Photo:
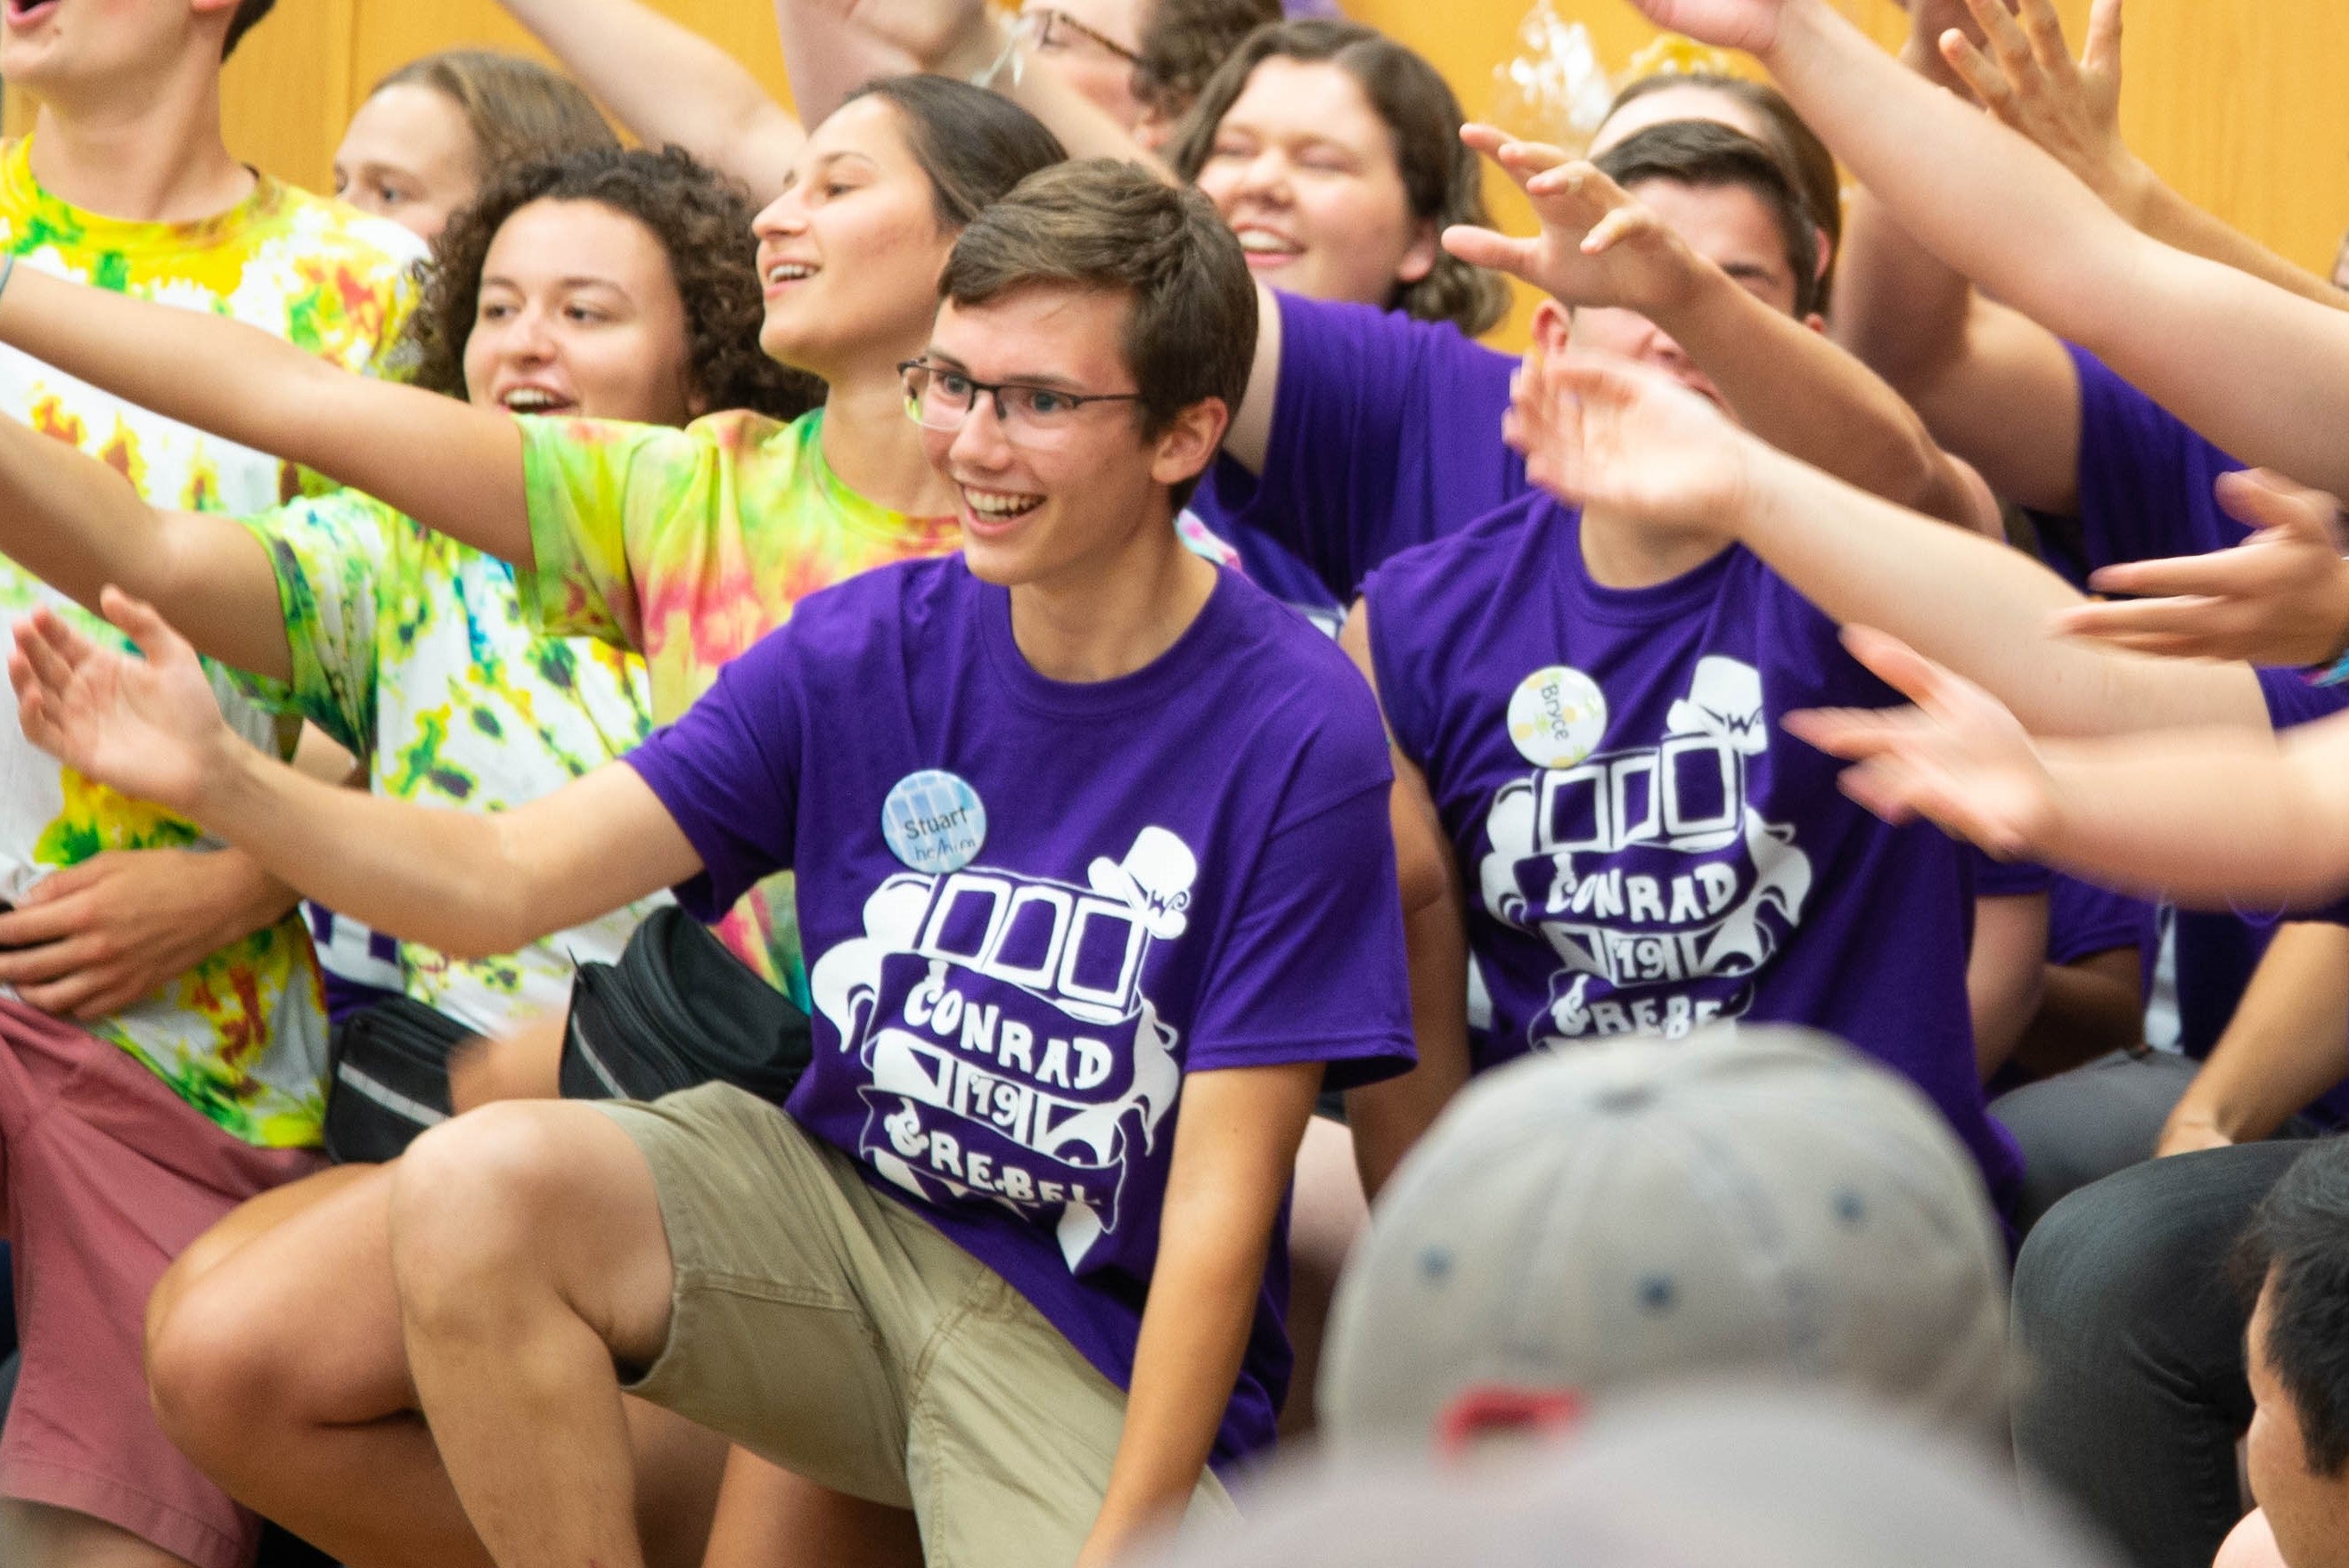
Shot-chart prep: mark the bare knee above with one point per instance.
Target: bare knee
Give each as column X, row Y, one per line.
column 506, row 1206
column 215, row 1373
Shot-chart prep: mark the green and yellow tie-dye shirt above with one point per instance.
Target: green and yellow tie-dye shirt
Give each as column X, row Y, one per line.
column 690, row 545
column 411, row 650
column 242, row 1035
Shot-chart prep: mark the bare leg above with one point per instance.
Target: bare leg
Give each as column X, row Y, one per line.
column 318, row 1429
column 254, row 1218
column 32, row 1536
column 1327, row 1213
column 768, row 1517
column 530, row 1255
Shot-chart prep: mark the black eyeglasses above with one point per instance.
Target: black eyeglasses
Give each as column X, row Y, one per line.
column 941, row 399
column 1057, row 30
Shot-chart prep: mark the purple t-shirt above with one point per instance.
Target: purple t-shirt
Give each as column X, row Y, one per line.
column 1386, row 434
column 1030, row 908
column 1644, row 848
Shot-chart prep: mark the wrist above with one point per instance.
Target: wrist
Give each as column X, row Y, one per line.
column 2131, row 188
column 1923, row 56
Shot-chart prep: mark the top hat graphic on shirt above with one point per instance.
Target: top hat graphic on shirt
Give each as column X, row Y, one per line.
column 1155, row 878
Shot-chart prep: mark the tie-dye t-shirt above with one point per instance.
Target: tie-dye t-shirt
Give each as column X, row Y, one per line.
column 690, row 545
column 242, row 1035
column 411, row 650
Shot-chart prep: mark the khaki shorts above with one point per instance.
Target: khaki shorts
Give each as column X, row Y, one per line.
column 833, row 1331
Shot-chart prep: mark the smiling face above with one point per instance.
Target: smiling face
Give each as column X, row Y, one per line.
column 408, row 155
column 579, row 314
column 1304, row 171
column 849, row 253
column 1730, row 226
column 1040, row 506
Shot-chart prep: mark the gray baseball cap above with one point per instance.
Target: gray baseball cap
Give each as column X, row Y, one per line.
column 1760, row 1203
column 1722, row 1478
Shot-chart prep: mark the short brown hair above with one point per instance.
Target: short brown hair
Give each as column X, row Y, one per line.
column 1190, row 333
column 1184, row 43
column 1706, row 154
column 515, row 108
column 702, row 221
column 1807, row 158
column 1441, row 177
column 248, row 13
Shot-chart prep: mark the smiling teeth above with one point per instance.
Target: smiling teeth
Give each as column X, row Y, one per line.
column 988, row 503
column 789, row 272
column 532, row 400
column 1256, row 239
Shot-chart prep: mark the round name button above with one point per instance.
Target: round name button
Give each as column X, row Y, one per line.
column 934, row 821
column 1557, row 715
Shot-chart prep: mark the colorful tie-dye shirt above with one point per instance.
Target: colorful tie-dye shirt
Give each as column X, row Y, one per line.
column 690, row 545
column 242, row 1035
column 411, row 650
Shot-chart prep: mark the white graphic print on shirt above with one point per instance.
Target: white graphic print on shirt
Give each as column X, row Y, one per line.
column 1001, row 1021
column 1657, row 885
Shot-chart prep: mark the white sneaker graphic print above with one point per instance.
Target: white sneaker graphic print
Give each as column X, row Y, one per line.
column 1659, row 887
column 1013, row 1055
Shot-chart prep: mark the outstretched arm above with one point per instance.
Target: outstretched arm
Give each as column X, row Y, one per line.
column 1611, row 435
column 2023, row 73
column 471, row 884
column 78, row 525
column 449, row 465
column 1598, row 247
column 2205, row 817
column 668, row 83
column 2262, row 373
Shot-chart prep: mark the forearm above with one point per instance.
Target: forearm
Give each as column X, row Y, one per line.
column 450, row 879
column 2264, row 376
column 78, row 525
column 2208, row 818
column 1084, row 128
column 1388, row 1117
column 2087, row 1008
column 243, row 384
column 2005, row 974
column 667, row 84
column 2174, row 220
column 1803, row 395
column 2287, row 1042
column 1975, row 606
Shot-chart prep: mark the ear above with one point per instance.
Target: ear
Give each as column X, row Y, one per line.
column 1418, row 261
column 1816, row 322
column 1553, row 327
column 1187, row 445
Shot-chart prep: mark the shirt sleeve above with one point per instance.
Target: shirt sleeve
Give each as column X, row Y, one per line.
column 2294, row 698
column 1372, row 410
column 329, row 556
column 600, row 494
column 2084, row 920
column 728, row 773
column 1313, row 969
column 2145, row 476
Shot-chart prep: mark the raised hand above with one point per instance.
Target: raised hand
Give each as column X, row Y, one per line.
column 2280, row 597
column 1603, row 432
column 1748, row 25
column 148, row 728
column 1597, row 245
column 1957, row 758
column 2024, row 74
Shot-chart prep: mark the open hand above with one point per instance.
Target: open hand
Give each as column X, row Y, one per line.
column 1600, row 432
column 2023, row 73
column 1957, row 758
column 148, row 728
column 2280, row 597
column 1597, row 245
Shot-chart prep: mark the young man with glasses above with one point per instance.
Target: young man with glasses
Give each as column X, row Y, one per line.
column 1099, row 885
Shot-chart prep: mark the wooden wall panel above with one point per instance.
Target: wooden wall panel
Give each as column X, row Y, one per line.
column 2234, row 101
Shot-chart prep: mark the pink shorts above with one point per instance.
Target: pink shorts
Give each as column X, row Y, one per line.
column 106, row 1175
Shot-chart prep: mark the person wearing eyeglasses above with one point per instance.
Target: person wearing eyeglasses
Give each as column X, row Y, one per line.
column 1098, row 886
